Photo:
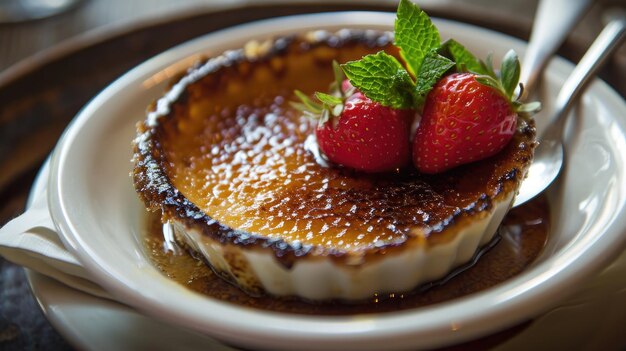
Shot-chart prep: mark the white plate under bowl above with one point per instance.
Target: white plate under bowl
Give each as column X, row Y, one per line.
column 593, row 317
column 99, row 217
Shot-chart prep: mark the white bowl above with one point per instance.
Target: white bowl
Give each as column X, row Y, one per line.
column 255, row 260
column 97, row 212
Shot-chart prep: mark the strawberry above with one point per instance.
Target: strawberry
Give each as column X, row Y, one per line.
column 356, row 132
column 462, row 121
column 467, row 115
column 367, row 136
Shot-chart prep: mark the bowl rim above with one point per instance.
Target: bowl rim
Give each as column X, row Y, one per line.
column 432, row 326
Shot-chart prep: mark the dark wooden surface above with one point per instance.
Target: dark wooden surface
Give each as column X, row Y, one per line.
column 37, row 104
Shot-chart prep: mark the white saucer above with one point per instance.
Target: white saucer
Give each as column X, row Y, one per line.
column 593, row 318
column 89, row 182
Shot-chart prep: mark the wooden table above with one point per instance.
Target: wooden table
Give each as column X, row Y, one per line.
column 44, row 83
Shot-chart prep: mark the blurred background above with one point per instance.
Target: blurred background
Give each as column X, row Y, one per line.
column 56, row 57
column 20, row 38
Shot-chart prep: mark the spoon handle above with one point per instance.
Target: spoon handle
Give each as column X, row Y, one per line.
column 553, row 22
column 605, row 44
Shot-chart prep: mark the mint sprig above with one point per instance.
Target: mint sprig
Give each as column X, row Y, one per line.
column 383, row 79
column 464, row 60
column 415, row 35
column 386, row 80
column 419, row 41
column 433, row 67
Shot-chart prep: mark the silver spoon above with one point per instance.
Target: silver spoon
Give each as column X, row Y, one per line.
column 548, row 159
column 548, row 32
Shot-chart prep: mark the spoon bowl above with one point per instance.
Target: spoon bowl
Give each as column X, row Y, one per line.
column 546, row 167
column 549, row 155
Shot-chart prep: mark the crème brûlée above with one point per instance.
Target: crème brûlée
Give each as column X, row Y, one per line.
column 232, row 166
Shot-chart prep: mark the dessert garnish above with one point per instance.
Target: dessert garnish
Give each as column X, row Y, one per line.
column 466, row 110
column 357, row 132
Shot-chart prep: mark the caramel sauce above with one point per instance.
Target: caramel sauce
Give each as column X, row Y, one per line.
column 236, row 149
column 523, row 234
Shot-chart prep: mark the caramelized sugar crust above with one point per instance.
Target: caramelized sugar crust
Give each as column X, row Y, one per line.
column 225, row 153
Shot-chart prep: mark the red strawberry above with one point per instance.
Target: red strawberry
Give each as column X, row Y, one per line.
column 367, row 136
column 462, row 121
column 356, row 132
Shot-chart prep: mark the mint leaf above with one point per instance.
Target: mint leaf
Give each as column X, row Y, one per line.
column 433, row 67
column 509, row 72
column 382, row 79
column 415, row 34
column 465, row 60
